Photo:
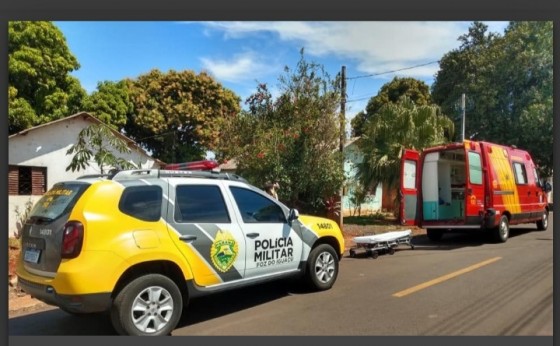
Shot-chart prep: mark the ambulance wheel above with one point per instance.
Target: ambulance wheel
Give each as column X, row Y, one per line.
column 434, row 234
column 352, row 253
column 374, row 254
column 542, row 224
column 501, row 233
column 149, row 305
column 322, row 267
column 391, row 251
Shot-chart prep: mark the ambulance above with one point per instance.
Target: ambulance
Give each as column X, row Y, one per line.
column 471, row 185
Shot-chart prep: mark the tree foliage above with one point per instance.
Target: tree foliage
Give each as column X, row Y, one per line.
column 293, row 139
column 41, row 88
column 392, row 92
column 507, row 81
column 177, row 114
column 111, row 103
column 99, row 144
column 395, row 127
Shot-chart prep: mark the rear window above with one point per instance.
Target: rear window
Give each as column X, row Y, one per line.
column 142, row 202
column 58, row 201
column 475, row 168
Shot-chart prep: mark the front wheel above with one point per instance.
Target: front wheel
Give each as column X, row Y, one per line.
column 542, row 224
column 322, row 267
column 501, row 233
column 148, row 305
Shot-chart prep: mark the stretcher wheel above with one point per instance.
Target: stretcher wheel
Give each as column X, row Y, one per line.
column 352, row 253
column 391, row 251
column 374, row 254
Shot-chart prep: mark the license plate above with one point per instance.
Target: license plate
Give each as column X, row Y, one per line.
column 32, row 255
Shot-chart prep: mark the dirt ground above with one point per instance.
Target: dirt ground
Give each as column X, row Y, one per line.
column 19, row 302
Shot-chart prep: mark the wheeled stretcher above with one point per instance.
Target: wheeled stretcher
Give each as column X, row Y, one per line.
column 381, row 243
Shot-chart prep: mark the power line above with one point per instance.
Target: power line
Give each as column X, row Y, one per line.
column 386, row 72
column 393, row 71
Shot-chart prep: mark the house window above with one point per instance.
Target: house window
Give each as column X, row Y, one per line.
column 27, row 180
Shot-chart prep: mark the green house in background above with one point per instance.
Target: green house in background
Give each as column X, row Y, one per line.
column 372, row 201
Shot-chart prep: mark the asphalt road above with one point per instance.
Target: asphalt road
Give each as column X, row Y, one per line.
column 462, row 285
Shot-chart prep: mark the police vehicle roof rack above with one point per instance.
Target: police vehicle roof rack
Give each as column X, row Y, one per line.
column 162, row 173
column 108, row 175
column 93, row 176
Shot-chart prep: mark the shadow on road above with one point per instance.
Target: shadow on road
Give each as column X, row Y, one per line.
column 221, row 304
column 455, row 239
column 58, row 322
column 452, row 240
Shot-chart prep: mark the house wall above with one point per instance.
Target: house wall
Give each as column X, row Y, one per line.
column 372, row 204
column 46, row 147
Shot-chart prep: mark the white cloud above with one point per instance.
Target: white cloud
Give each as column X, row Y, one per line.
column 242, row 67
column 375, row 46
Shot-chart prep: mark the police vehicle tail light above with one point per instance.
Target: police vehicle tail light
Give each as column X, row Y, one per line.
column 72, row 239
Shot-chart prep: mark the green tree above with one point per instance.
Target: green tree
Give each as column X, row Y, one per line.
column 41, row 88
column 526, row 95
column 469, row 70
column 392, row 92
column 111, row 103
column 99, row 144
column 293, row 139
column 398, row 126
column 507, row 81
column 177, row 114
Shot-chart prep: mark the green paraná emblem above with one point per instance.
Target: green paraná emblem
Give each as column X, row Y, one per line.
column 223, row 251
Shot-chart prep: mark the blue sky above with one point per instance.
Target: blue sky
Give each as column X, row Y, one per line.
column 240, row 54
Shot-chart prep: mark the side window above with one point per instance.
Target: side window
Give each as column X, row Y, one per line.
column 537, row 179
column 255, row 208
column 142, row 202
column 409, row 178
column 520, row 173
column 200, row 204
column 475, row 168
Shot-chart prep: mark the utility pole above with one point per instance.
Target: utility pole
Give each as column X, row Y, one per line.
column 463, row 117
column 342, row 137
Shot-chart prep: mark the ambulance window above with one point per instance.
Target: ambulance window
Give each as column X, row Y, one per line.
column 409, row 177
column 520, row 173
column 200, row 203
column 536, row 175
column 255, row 208
column 475, row 168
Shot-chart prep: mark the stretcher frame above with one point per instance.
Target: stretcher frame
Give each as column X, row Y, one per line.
column 381, row 243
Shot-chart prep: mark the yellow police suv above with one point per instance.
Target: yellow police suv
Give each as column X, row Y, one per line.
column 142, row 243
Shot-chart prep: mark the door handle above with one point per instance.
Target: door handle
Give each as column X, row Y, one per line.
column 252, row 235
column 187, row 238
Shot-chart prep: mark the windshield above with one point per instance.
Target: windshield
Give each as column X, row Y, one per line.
column 58, row 200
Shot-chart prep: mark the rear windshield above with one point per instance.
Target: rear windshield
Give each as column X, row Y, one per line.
column 58, row 200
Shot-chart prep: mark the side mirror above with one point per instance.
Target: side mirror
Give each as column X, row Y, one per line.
column 294, row 214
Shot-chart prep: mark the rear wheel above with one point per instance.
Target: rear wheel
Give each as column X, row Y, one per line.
column 148, row 305
column 542, row 224
column 501, row 233
column 434, row 234
column 322, row 267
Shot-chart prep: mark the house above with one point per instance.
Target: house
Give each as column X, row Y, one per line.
column 373, row 200
column 37, row 160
